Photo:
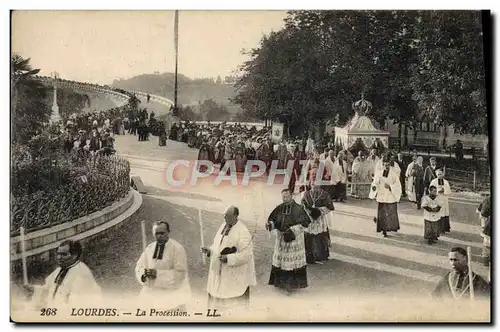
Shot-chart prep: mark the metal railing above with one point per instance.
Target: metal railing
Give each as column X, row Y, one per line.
column 468, row 179
column 104, row 181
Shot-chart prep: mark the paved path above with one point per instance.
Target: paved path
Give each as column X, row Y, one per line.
column 363, row 264
column 363, row 261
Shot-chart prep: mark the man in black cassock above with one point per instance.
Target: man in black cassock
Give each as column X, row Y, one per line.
column 455, row 284
column 289, row 267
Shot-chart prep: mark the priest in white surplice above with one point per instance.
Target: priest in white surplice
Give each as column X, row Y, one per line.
column 232, row 266
column 386, row 189
column 444, row 192
column 163, row 273
column 310, row 146
column 71, row 284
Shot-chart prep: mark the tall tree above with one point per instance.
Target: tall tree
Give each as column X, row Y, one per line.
column 449, row 80
column 283, row 80
column 412, row 65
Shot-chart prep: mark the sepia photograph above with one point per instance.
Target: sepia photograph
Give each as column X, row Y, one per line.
column 251, row 166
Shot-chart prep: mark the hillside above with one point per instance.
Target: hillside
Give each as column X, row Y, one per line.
column 190, row 91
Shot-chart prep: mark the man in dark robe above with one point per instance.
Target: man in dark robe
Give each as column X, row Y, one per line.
column 296, row 170
column 456, row 284
column 162, row 134
column 173, row 132
column 402, row 176
column 67, row 141
column 250, row 152
column 459, row 150
column 95, row 142
column 317, row 204
column 289, row 267
column 240, row 157
column 432, row 205
column 267, row 153
column 107, row 144
column 417, row 173
column 205, row 154
column 430, row 174
column 281, row 154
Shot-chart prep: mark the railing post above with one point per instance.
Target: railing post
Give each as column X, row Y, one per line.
column 474, row 181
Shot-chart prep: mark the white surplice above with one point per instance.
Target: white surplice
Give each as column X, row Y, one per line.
column 78, row 288
column 445, row 209
column 379, row 166
column 432, row 203
column 410, row 183
column 371, row 163
column 309, row 146
column 171, row 287
column 337, row 175
column 381, row 193
column 329, row 166
column 231, row 279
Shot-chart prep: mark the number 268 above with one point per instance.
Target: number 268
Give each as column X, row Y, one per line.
column 48, row 312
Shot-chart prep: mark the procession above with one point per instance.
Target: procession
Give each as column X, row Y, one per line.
column 316, row 166
column 301, row 224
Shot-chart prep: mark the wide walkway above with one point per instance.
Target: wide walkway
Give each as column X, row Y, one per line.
column 363, row 262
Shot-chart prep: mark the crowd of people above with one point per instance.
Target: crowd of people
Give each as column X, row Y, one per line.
column 88, row 134
column 162, row 268
column 376, row 173
column 302, row 229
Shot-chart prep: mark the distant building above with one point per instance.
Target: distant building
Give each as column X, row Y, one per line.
column 431, row 135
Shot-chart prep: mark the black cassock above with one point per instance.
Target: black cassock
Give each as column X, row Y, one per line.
column 456, row 286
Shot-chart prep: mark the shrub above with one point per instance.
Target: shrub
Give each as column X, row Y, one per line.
column 58, row 194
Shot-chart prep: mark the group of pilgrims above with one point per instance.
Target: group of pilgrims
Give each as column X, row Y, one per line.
column 88, row 134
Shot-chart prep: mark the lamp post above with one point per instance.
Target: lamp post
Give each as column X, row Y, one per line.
column 55, row 116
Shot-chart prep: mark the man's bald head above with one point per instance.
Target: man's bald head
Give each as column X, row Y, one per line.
column 231, row 214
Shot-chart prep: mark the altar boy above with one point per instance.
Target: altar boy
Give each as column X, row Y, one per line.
column 432, row 205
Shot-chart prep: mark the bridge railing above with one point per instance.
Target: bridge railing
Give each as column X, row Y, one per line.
column 155, row 98
column 85, row 86
column 258, row 125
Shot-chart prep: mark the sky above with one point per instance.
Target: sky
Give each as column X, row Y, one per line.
column 100, row 46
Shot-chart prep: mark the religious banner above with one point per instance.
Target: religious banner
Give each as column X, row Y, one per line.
column 277, row 132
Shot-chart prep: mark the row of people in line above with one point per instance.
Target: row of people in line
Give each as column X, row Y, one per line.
column 302, row 238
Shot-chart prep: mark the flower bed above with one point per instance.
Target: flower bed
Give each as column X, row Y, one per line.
column 81, row 191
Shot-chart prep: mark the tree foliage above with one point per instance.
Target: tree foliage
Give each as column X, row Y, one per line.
column 212, row 111
column 29, row 111
column 449, row 80
column 71, row 102
column 188, row 114
column 410, row 64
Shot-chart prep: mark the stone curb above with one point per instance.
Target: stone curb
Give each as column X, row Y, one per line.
column 83, row 228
